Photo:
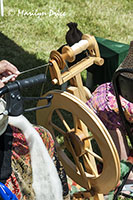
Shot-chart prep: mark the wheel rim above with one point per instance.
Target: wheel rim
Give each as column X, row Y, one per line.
column 85, row 175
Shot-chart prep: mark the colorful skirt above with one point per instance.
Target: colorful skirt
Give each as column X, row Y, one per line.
column 104, row 104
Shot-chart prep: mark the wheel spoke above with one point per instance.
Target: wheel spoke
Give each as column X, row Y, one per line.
column 63, row 120
column 79, row 165
column 90, row 165
column 75, row 124
column 94, row 154
column 58, row 129
column 88, row 138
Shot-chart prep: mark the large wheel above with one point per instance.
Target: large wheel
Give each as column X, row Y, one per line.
column 67, row 119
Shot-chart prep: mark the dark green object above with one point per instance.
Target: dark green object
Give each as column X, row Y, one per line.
column 113, row 54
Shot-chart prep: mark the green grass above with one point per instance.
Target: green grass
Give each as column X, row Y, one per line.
column 39, row 35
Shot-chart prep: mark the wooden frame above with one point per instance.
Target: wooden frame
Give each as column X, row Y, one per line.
column 76, row 139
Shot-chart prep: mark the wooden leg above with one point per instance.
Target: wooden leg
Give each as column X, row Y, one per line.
column 99, row 197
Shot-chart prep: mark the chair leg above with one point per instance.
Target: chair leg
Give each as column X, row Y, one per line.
column 122, row 185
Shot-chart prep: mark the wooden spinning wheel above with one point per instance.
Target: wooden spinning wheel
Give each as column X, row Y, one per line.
column 79, row 127
column 76, row 142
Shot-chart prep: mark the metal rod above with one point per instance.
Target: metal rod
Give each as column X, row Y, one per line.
column 38, row 67
column 28, row 70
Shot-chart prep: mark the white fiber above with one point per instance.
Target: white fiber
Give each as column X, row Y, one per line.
column 46, row 182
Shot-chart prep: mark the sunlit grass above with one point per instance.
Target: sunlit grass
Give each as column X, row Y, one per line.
column 40, row 35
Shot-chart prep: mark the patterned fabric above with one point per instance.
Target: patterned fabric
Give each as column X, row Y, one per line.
column 20, row 180
column 124, row 166
column 74, row 187
column 103, row 103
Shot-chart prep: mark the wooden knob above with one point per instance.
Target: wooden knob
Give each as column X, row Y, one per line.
column 99, row 61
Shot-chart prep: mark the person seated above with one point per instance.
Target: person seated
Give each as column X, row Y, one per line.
column 20, row 154
column 103, row 103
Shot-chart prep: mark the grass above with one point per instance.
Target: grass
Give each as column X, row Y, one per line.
column 27, row 41
column 40, row 35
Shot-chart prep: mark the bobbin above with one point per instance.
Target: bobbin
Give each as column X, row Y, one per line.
column 69, row 53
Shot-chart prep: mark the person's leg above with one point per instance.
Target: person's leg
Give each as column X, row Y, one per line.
column 120, row 142
column 122, row 147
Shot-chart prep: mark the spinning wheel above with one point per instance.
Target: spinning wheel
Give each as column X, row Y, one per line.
column 81, row 170
column 78, row 126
